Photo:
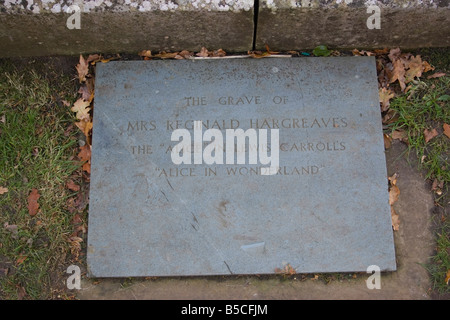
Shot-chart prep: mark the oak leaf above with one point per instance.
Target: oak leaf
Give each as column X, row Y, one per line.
column 81, row 108
column 398, row 74
column 82, row 69
column 33, row 204
column 385, row 95
column 415, row 68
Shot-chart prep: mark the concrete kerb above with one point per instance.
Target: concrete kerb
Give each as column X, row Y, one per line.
column 71, row 27
column 352, row 24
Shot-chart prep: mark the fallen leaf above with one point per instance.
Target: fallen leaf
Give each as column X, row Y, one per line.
column 75, row 245
column 427, row 67
column 399, row 135
column 258, row 54
column 166, row 55
column 72, row 186
column 447, row 277
column 76, row 219
column 81, row 108
column 33, row 204
column 82, row 69
column 203, row 53
column 184, row 54
column 395, row 219
column 85, row 126
column 85, row 94
column 356, row 52
column 3, row 118
column 11, row 228
column 394, row 194
column 3, row 190
column 436, row 75
column 21, row 259
column 393, row 179
column 415, row 68
column 398, row 74
column 446, row 130
column 387, row 141
column 93, row 58
column 429, row 134
column 218, row 53
column 145, row 53
column 385, row 95
column 85, row 156
column 380, row 52
column 394, row 54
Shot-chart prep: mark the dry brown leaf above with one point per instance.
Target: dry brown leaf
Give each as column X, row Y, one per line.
column 447, row 277
column 85, row 156
column 203, row 53
column 72, row 186
column 21, row 259
column 415, row 68
column 258, row 54
column 82, row 69
column 387, row 141
column 218, row 53
column 385, row 95
column 399, row 135
column 436, row 75
column 3, row 190
column 3, row 118
column 166, row 55
column 145, row 53
column 93, row 58
column 429, row 134
column 395, row 219
column 81, row 108
column 446, row 130
column 427, row 67
column 398, row 74
column 85, row 126
column 85, row 94
column 394, row 194
column 393, row 179
column 33, row 204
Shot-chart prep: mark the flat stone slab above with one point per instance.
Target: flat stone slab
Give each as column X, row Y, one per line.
column 324, row 209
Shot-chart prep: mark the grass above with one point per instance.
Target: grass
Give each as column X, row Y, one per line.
column 426, row 106
column 35, row 152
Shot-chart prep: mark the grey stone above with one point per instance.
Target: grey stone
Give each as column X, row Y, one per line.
column 118, row 26
column 325, row 210
column 301, row 25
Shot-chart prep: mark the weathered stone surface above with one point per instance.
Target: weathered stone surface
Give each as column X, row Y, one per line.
column 290, row 25
column 325, row 210
column 39, row 28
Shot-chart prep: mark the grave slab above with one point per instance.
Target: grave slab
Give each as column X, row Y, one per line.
column 323, row 209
